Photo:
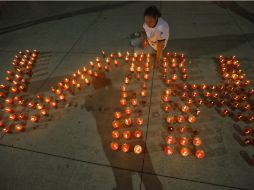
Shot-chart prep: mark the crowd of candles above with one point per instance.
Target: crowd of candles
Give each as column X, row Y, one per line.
column 128, row 121
column 180, row 113
column 180, row 100
column 13, row 102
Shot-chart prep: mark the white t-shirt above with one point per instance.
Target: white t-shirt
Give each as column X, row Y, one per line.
column 159, row 32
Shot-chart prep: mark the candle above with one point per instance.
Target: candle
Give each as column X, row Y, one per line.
column 44, row 112
column 53, row 104
column 180, row 119
column 134, row 102
column 137, row 134
column 138, row 149
column 183, row 141
column 197, row 141
column 124, row 94
column 184, row 151
column 21, row 116
column 139, row 121
column 9, row 110
column 128, row 111
column 170, row 119
column 118, row 115
column 166, row 98
column 123, row 102
column 34, row 118
column 169, row 140
column 19, row 127
column 199, row 154
column 168, row 150
column 143, row 93
column 115, row 124
column 128, row 121
column 174, row 77
column 191, row 119
column 12, row 117
column 114, row 146
column 125, row 147
column 115, row 134
column 6, row 130
column 185, row 109
column 167, row 108
column 9, row 101
column 127, row 134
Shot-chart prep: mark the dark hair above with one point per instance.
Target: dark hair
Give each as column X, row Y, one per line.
column 152, row 11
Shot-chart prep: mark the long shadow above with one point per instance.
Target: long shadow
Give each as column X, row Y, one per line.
column 237, row 9
column 63, row 16
column 100, row 104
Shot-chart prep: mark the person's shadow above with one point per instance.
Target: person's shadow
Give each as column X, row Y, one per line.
column 102, row 104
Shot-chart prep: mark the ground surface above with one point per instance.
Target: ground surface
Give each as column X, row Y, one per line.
column 70, row 152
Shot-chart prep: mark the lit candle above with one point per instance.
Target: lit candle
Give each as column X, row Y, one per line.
column 128, row 121
column 127, row 134
column 183, row 141
column 170, row 119
column 143, row 93
column 168, row 150
column 199, row 154
column 139, row 121
column 169, row 140
column 166, row 98
column 19, row 127
column 185, row 109
column 138, row 149
column 115, row 124
column 12, row 117
column 118, row 115
column 114, row 146
column 197, row 141
column 184, row 151
column 134, row 102
column 191, row 119
column 128, row 111
column 137, row 134
column 34, row 118
column 180, row 119
column 123, row 102
column 125, row 147
column 115, row 134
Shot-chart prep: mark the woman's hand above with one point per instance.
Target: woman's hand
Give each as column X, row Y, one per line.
column 145, row 43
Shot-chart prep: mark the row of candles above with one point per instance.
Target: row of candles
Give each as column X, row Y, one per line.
column 12, row 93
column 131, row 101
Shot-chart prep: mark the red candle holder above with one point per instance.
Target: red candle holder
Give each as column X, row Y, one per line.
column 116, row 124
column 199, row 154
column 169, row 140
column 170, row 119
column 138, row 134
column 138, row 149
column 127, row 134
column 114, row 146
column 115, row 134
column 118, row 115
column 184, row 151
column 125, row 148
column 197, row 141
column 139, row 121
column 168, row 150
column 183, row 141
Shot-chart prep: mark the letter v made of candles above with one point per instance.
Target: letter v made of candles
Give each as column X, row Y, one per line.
column 233, row 98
